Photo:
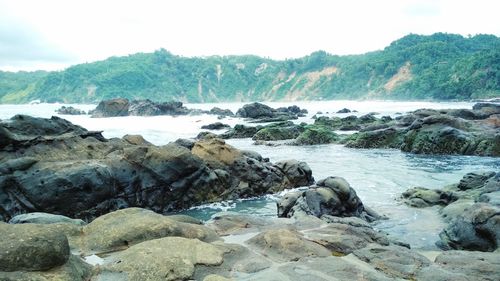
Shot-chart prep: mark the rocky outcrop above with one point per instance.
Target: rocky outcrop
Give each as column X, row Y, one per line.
column 471, row 226
column 426, row 131
column 264, row 113
column 215, row 126
column 111, row 108
column 315, row 135
column 69, row 110
column 65, row 169
column 124, row 107
column 331, row 196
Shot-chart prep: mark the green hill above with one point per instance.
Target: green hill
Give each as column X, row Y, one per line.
column 439, row 67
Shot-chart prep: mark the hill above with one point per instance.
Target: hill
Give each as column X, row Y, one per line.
column 438, row 67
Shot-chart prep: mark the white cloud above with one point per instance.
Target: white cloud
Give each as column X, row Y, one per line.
column 92, row 30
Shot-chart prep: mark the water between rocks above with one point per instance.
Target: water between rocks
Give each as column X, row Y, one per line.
column 379, row 176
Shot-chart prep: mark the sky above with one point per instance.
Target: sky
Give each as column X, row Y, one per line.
column 54, row 34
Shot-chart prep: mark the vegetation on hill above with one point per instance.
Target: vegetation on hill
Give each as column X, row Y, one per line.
column 440, row 67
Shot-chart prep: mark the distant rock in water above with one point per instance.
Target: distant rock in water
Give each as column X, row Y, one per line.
column 124, row 107
column 264, row 113
column 69, row 110
column 215, row 126
column 53, row 166
column 344, row 110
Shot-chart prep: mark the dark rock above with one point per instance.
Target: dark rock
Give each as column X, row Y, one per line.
column 477, row 229
column 474, row 180
column 488, row 108
column 215, row 126
column 111, row 108
column 205, row 136
column 241, row 131
column 69, row 110
column 255, row 111
column 221, row 112
column 187, row 143
column 136, row 140
column 297, row 173
column 280, row 131
column 344, row 110
column 82, row 175
column 331, row 196
column 31, row 247
column 316, row 135
column 378, row 138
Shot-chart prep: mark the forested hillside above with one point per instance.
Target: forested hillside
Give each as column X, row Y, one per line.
column 439, row 67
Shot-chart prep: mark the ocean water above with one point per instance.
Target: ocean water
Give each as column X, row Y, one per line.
column 379, row 176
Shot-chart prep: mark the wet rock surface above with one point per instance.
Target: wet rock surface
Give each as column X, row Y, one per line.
column 69, row 110
column 65, row 169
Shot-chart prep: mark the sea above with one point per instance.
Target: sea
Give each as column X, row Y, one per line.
column 379, row 176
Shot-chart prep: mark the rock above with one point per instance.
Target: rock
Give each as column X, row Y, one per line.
column 344, row 110
column 215, row 126
column 297, row 173
column 286, row 245
column 206, row 136
column 331, row 196
column 124, row 228
column 226, row 223
column 488, row 108
column 31, row 247
column 150, row 108
column 187, row 143
column 344, row 238
column 170, row 258
column 69, row 110
column 111, row 108
column 423, row 197
column 316, row 135
column 255, row 111
column 79, row 174
column 377, row 138
column 44, row 218
column 474, row 180
column 473, row 265
column 280, row 131
column 75, row 270
column 221, row 112
column 136, row 140
column 477, row 229
column 492, row 197
column 395, row 261
column 323, row 269
column 455, row 209
column 241, row 131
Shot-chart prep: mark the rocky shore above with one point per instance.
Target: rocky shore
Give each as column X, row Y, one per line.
column 77, row 206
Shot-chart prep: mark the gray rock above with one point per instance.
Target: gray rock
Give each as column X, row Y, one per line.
column 473, row 265
column 286, row 245
column 423, row 197
column 395, row 261
column 44, row 218
column 474, row 180
column 477, row 229
column 31, row 247
column 297, row 173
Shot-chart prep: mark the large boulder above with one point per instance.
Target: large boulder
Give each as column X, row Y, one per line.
column 124, row 228
column 313, row 134
column 255, row 111
column 331, row 196
column 31, row 247
column 423, row 197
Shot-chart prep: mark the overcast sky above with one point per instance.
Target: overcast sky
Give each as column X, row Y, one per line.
column 53, row 34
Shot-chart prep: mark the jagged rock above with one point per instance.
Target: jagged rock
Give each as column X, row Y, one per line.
column 265, row 113
column 31, row 247
column 331, row 196
column 395, row 261
column 474, row 180
column 69, row 110
column 44, row 218
column 123, row 228
column 215, row 126
column 477, row 229
column 170, row 258
column 286, row 245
